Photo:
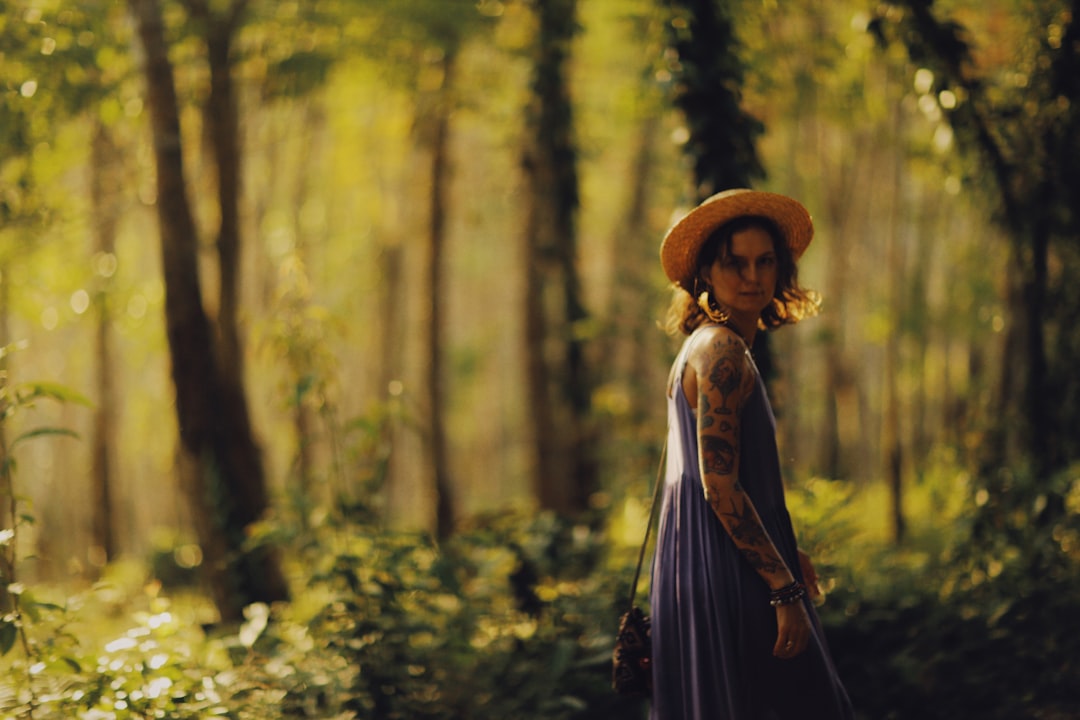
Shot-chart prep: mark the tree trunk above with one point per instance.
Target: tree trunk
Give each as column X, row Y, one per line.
column 710, row 74
column 220, row 115
column 1025, row 174
column 923, row 431
column 227, row 487
column 722, row 136
column 632, row 262
column 631, row 348
column 445, row 505
column 559, row 385
column 891, row 441
column 103, row 546
column 840, row 174
column 8, row 512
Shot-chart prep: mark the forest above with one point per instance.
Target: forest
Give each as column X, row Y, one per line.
column 332, row 359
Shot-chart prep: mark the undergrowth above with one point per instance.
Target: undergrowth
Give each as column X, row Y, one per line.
column 514, row 617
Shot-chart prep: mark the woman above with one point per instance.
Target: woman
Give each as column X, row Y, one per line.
column 734, row 634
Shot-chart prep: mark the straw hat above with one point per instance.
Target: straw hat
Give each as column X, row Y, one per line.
column 679, row 251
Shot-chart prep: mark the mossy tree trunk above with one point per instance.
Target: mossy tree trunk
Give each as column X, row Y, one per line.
column 722, row 136
column 1028, row 171
column 559, row 384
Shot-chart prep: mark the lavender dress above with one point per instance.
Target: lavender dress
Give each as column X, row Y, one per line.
column 713, row 629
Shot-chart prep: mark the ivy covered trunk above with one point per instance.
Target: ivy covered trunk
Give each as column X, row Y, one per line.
column 722, row 136
column 559, row 383
column 1027, row 170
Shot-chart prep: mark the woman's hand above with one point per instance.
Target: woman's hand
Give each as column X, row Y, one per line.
column 793, row 630
column 810, row 578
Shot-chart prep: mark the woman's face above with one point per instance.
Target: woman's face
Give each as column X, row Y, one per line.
column 744, row 279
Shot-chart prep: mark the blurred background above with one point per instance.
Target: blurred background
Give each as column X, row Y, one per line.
column 389, row 269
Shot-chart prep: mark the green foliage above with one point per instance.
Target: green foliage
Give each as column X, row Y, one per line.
column 504, row 621
column 930, row 630
column 120, row 651
column 19, row 608
column 59, row 59
column 511, row 619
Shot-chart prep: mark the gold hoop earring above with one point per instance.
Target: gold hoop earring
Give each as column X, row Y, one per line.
column 713, row 310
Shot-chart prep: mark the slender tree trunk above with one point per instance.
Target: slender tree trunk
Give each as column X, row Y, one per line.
column 7, row 490
column 632, row 348
column 839, row 175
column 634, row 257
column 445, row 509
column 926, row 230
column 305, row 378
column 548, row 461
column 221, row 117
column 559, row 384
column 103, row 199
column 891, row 441
column 227, row 488
column 391, row 356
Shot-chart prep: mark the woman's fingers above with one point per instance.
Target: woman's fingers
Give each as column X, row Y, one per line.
column 793, row 630
column 789, row 647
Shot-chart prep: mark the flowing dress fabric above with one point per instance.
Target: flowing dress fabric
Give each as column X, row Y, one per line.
column 713, row 629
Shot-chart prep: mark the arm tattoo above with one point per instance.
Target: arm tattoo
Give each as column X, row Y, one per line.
column 717, row 454
column 766, row 563
column 726, row 377
column 726, row 385
column 705, row 420
column 743, row 526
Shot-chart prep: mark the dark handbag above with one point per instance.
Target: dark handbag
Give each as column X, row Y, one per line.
column 632, row 660
column 631, row 672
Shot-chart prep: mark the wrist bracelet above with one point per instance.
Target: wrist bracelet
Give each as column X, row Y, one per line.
column 788, row 594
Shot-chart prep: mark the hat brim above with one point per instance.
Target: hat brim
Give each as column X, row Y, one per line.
column 682, row 243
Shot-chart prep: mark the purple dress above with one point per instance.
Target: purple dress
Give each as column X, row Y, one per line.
column 713, row 629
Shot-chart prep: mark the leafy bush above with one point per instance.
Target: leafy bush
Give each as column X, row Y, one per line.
column 511, row 619
column 961, row 623
column 514, row 618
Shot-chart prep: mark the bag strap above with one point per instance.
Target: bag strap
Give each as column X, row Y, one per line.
column 652, row 514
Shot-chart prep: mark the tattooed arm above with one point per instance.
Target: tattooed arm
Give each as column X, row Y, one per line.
column 722, row 378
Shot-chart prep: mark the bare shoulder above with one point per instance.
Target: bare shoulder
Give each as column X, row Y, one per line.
column 717, row 344
column 722, row 367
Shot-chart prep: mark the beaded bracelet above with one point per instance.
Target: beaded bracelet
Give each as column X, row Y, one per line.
column 788, row 594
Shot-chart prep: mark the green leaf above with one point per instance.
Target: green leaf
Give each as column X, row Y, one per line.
column 40, row 432
column 57, row 392
column 7, row 636
column 30, row 609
